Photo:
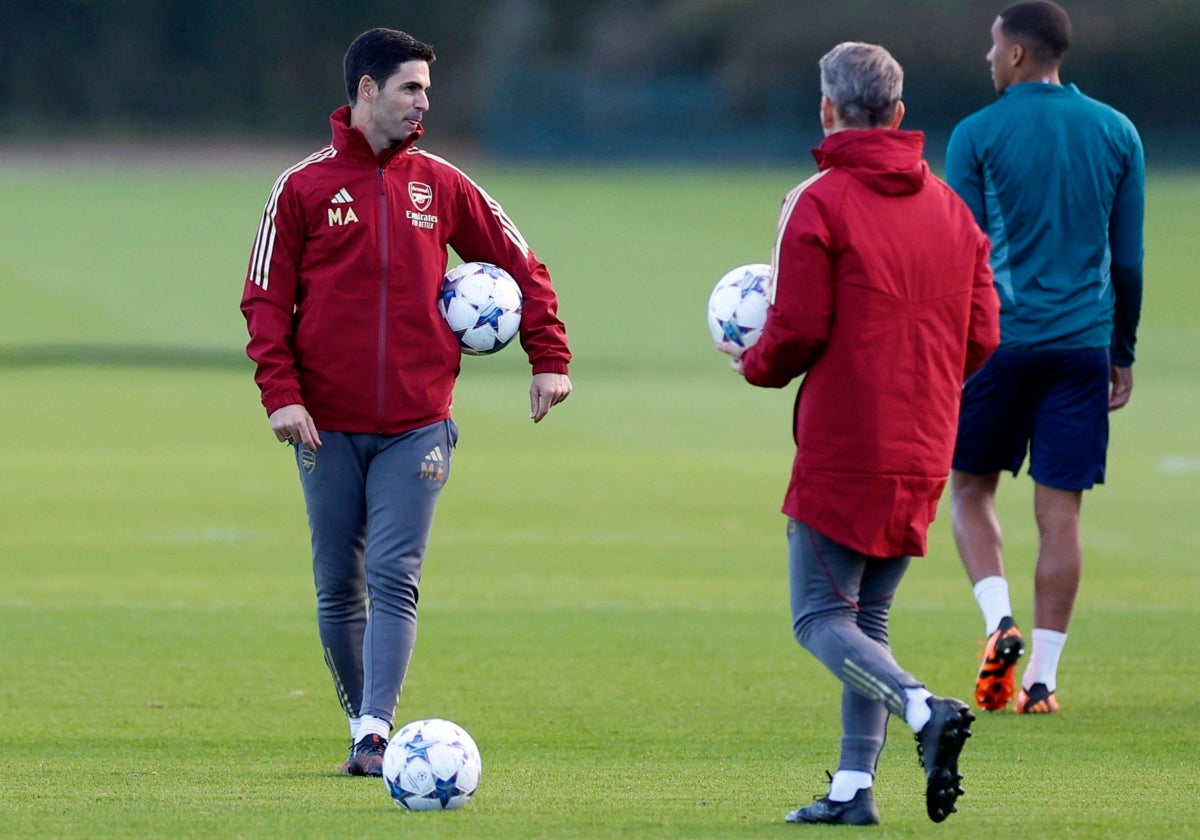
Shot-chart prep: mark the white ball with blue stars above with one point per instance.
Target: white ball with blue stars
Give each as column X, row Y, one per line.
column 737, row 307
column 432, row 765
column 482, row 304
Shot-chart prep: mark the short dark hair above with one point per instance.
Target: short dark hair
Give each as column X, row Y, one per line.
column 1041, row 26
column 378, row 53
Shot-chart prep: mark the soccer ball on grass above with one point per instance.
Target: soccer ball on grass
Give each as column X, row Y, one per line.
column 737, row 307
column 431, row 765
column 482, row 304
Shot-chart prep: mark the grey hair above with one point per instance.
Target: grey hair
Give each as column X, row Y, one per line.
column 863, row 82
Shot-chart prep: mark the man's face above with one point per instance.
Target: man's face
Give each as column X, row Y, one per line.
column 999, row 57
column 401, row 103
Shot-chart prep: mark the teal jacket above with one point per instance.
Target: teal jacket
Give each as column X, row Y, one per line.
column 1056, row 180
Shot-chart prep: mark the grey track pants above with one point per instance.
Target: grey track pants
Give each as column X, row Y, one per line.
column 840, row 605
column 370, row 502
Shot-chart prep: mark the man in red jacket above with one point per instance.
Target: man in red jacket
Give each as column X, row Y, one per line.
column 883, row 301
column 357, row 368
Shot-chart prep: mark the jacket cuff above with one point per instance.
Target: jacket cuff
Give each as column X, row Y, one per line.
column 550, row 367
column 278, row 399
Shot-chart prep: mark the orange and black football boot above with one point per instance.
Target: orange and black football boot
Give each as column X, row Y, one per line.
column 995, row 683
column 1036, row 700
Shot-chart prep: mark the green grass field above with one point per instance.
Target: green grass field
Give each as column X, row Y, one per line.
column 605, row 603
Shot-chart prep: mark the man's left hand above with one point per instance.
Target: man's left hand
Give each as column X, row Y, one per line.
column 735, row 352
column 546, row 391
column 1122, row 387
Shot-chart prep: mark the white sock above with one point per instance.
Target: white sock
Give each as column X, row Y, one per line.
column 992, row 595
column 371, row 725
column 847, row 783
column 354, row 722
column 1043, row 659
column 916, row 711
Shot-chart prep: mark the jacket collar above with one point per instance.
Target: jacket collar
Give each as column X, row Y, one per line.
column 350, row 141
column 1038, row 89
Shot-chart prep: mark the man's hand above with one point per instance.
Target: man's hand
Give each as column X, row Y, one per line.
column 546, row 391
column 1122, row 387
column 735, row 352
column 293, row 424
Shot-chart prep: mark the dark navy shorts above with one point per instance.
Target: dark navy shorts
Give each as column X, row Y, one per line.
column 1052, row 404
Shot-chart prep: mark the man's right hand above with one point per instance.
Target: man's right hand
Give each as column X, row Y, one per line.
column 293, row 424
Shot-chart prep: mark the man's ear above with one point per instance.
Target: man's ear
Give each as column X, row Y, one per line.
column 367, row 89
column 828, row 113
column 898, row 117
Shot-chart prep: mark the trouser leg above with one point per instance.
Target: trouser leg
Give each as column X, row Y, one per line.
column 403, row 483
column 840, row 604
column 333, row 481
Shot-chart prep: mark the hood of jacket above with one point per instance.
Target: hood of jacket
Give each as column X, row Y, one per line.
column 887, row 161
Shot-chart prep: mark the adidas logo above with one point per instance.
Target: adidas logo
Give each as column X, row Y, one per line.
column 433, row 465
column 337, row 216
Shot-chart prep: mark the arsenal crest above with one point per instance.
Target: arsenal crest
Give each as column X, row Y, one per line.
column 420, row 194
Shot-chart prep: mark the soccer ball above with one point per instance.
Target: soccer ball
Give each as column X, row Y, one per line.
column 737, row 307
column 431, row 765
column 482, row 304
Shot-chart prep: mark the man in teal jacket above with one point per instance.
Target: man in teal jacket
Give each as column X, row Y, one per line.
column 1056, row 179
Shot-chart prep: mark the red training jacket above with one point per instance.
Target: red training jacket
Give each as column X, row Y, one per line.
column 884, row 300
column 341, row 294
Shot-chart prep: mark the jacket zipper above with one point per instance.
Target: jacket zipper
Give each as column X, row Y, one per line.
column 384, row 260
